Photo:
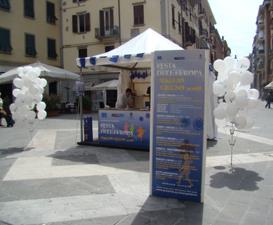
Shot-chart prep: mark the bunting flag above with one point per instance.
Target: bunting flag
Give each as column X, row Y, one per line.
column 82, row 62
column 93, row 60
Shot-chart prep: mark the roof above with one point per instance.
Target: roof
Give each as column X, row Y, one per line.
column 46, row 71
column 108, row 85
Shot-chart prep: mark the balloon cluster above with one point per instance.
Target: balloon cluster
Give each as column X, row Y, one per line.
column 233, row 85
column 29, row 94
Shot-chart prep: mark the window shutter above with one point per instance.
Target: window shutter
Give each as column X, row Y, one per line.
column 111, row 19
column 75, row 23
column 101, row 23
column 87, row 20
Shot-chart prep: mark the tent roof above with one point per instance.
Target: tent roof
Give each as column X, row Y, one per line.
column 269, row 86
column 138, row 49
column 46, row 71
column 108, row 85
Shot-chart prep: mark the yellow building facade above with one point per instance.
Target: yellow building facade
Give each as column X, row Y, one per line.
column 91, row 27
column 30, row 31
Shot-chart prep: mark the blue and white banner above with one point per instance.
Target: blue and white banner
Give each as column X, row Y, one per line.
column 124, row 128
column 177, row 137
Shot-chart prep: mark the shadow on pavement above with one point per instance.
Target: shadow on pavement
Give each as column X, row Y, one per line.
column 162, row 211
column 9, row 151
column 4, row 223
column 116, row 158
column 238, row 179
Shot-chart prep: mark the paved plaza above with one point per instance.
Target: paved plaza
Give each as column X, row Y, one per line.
column 46, row 178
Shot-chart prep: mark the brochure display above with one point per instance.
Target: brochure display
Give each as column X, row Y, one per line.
column 177, row 124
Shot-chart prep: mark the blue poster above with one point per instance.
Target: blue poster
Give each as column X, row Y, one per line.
column 178, row 96
column 124, row 128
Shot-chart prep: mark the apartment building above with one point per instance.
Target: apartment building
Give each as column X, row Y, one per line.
column 262, row 54
column 29, row 32
column 93, row 26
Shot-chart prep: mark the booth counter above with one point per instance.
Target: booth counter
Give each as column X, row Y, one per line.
column 124, row 128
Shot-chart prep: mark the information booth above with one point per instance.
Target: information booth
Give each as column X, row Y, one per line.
column 129, row 127
column 169, row 118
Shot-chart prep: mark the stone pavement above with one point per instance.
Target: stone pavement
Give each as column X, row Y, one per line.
column 45, row 178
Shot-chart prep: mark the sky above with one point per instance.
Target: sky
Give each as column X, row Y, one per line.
column 236, row 21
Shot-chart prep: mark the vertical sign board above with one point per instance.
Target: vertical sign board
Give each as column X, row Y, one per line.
column 177, row 135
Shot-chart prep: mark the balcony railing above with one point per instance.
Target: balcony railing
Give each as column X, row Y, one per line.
column 112, row 33
column 203, row 33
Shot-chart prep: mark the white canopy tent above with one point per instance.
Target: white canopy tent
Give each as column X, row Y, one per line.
column 137, row 50
column 108, row 85
column 46, row 71
column 137, row 53
column 104, row 88
column 269, row 86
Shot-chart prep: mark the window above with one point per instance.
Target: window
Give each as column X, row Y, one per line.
column 51, row 48
column 81, row 23
column 106, row 21
column 50, row 13
column 179, row 23
column 109, row 48
column 52, row 88
column 5, row 46
column 30, row 45
column 4, row 4
column 138, row 14
column 173, row 16
column 82, row 52
column 29, row 8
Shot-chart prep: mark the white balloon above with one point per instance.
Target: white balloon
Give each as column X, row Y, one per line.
column 219, row 65
column 41, row 115
column 253, row 93
column 12, row 108
column 229, row 62
column 20, row 71
column 234, row 77
column 240, row 122
column 252, row 103
column 232, row 110
column 243, row 64
column 241, row 99
column 220, row 111
column 15, row 92
column 26, row 69
column 41, row 106
column 43, row 82
column 18, row 82
column 218, row 88
column 246, row 78
column 222, row 76
column 230, row 96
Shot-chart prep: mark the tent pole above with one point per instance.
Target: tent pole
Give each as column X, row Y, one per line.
column 81, row 114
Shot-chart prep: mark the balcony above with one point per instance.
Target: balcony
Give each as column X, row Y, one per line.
column 107, row 34
column 201, row 13
column 260, row 52
column 203, row 33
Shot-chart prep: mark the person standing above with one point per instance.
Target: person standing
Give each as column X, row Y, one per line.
column 268, row 100
column 127, row 100
column 2, row 112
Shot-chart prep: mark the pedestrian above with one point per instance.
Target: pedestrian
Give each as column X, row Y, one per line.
column 2, row 111
column 5, row 112
column 268, row 100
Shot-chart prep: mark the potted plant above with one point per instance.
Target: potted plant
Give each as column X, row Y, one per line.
column 52, row 105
